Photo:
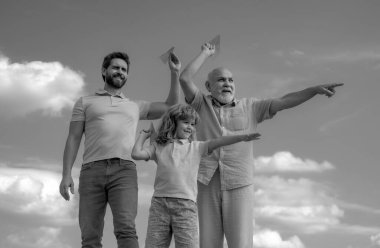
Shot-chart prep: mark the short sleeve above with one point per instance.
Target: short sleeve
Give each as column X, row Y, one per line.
column 203, row 147
column 196, row 103
column 261, row 109
column 78, row 113
column 144, row 107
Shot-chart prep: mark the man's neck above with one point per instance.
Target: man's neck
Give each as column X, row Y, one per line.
column 112, row 90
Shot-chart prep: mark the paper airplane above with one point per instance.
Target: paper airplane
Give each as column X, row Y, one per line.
column 165, row 57
column 216, row 42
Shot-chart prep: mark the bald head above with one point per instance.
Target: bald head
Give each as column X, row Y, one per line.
column 217, row 72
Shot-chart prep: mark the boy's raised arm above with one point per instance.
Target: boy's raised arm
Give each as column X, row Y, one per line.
column 187, row 76
column 138, row 151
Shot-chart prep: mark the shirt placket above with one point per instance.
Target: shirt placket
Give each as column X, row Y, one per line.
column 222, row 119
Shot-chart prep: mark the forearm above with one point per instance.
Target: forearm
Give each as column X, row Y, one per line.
column 173, row 97
column 226, row 140
column 138, row 152
column 293, row 99
column 69, row 155
column 193, row 67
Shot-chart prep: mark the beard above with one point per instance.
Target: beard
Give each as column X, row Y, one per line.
column 224, row 98
column 117, row 81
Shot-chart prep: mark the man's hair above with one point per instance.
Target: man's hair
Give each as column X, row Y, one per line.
column 168, row 127
column 115, row 55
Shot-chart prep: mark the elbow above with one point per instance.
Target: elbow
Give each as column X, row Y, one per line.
column 134, row 157
column 184, row 78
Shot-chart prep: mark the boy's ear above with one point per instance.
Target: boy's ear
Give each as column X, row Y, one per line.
column 207, row 84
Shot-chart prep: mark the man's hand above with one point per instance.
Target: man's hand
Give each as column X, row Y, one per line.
column 66, row 183
column 327, row 89
column 208, row 49
column 174, row 63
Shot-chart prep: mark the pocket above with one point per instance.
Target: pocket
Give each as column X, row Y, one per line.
column 127, row 163
column 237, row 120
column 87, row 166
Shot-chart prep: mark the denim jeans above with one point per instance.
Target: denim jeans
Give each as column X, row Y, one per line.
column 225, row 212
column 112, row 181
column 172, row 216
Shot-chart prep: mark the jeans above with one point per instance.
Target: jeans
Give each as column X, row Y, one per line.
column 225, row 212
column 172, row 216
column 112, row 181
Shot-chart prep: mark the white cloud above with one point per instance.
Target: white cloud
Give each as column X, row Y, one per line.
column 42, row 237
column 375, row 239
column 34, row 193
column 350, row 56
column 286, row 162
column 306, row 206
column 272, row 239
column 37, row 86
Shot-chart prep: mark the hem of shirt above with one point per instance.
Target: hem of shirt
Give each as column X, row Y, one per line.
column 175, row 196
column 106, row 157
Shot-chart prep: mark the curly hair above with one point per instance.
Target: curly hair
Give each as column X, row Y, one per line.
column 168, row 127
column 115, row 55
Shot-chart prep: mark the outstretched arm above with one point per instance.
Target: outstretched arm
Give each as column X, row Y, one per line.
column 296, row 98
column 187, row 76
column 71, row 149
column 138, row 151
column 229, row 140
column 158, row 108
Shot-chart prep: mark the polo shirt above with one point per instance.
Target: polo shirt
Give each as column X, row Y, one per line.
column 110, row 124
column 236, row 161
column 177, row 168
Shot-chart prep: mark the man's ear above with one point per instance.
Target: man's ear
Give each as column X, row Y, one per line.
column 207, row 84
column 103, row 71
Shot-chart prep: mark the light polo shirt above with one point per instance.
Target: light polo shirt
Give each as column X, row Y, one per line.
column 110, row 124
column 236, row 161
column 177, row 168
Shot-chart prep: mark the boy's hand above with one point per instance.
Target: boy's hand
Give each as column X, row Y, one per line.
column 208, row 49
column 252, row 136
column 145, row 133
column 174, row 63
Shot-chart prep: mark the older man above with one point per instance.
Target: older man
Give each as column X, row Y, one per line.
column 225, row 179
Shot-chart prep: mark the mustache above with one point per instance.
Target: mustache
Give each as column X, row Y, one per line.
column 119, row 75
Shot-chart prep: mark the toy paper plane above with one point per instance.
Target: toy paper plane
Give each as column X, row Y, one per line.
column 216, row 42
column 165, row 57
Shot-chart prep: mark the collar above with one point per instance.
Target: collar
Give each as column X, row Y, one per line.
column 103, row 92
column 216, row 103
column 182, row 141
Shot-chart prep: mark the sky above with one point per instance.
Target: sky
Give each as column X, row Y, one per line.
column 316, row 166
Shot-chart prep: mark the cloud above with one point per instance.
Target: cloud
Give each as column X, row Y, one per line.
column 302, row 204
column 42, row 237
column 350, row 56
column 271, row 239
column 375, row 239
column 34, row 194
column 284, row 161
column 37, row 86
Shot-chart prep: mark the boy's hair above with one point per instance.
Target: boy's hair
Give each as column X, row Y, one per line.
column 168, row 126
column 115, row 55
